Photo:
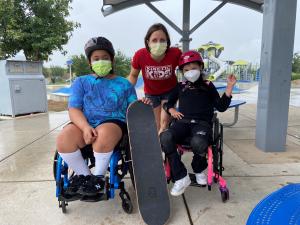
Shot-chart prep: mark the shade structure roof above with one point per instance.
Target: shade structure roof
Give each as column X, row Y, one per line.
column 112, row 6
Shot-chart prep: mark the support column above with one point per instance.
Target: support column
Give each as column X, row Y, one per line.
column 186, row 25
column 276, row 66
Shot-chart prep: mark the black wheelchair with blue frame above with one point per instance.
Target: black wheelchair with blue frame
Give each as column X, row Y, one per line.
column 120, row 164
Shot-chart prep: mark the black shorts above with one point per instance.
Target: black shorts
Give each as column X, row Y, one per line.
column 120, row 124
column 157, row 99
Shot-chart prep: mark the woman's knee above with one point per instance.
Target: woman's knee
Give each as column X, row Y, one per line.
column 157, row 112
column 165, row 120
column 164, row 124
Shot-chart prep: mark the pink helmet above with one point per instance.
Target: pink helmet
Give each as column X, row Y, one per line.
column 190, row 56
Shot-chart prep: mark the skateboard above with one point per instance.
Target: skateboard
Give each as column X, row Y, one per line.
column 149, row 175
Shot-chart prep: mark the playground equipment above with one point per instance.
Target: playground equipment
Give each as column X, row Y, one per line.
column 214, row 66
column 222, row 67
column 241, row 70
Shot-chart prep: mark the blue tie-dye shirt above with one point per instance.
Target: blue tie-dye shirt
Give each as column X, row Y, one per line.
column 102, row 99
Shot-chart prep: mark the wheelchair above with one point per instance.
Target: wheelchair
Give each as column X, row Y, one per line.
column 214, row 160
column 120, row 164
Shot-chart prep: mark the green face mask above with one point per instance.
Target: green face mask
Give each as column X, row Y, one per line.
column 158, row 49
column 102, row 67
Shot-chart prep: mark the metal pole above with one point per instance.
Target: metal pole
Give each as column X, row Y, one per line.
column 70, row 74
column 186, row 25
column 208, row 16
column 161, row 15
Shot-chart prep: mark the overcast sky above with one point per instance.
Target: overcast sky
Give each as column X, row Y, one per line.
column 238, row 29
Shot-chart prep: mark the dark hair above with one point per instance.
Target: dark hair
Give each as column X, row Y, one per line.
column 153, row 28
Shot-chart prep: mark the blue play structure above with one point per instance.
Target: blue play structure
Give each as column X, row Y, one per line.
column 140, row 82
column 257, row 75
column 281, row 207
column 235, row 90
column 64, row 90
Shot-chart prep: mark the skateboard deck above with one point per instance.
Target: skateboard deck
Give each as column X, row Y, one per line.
column 150, row 180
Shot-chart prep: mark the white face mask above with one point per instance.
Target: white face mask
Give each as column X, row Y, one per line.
column 192, row 75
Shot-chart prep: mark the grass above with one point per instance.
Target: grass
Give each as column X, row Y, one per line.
column 295, row 76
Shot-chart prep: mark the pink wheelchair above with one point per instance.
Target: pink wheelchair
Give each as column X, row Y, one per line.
column 214, row 159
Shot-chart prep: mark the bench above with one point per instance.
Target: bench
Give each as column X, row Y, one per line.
column 234, row 104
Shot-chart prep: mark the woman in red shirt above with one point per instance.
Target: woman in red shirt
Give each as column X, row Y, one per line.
column 158, row 62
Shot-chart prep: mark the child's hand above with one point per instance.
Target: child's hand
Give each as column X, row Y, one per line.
column 89, row 135
column 146, row 101
column 231, row 80
column 175, row 114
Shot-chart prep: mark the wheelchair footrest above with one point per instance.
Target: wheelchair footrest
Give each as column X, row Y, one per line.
column 69, row 198
column 94, row 198
column 194, row 182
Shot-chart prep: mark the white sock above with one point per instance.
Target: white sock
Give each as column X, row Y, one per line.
column 101, row 163
column 76, row 162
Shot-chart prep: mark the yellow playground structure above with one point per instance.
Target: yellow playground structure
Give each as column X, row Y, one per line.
column 218, row 69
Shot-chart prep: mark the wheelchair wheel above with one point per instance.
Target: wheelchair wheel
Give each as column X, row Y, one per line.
column 55, row 164
column 224, row 194
column 70, row 172
column 126, row 159
column 130, row 169
column 216, row 131
column 126, row 201
column 215, row 180
column 63, row 206
column 124, row 166
column 127, row 206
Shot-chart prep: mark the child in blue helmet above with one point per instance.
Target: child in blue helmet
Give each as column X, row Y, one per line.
column 97, row 110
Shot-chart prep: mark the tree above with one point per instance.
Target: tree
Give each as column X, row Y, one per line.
column 46, row 72
column 55, row 73
column 38, row 27
column 122, row 64
column 296, row 63
column 80, row 65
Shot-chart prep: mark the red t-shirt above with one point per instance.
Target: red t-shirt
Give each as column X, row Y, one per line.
column 159, row 77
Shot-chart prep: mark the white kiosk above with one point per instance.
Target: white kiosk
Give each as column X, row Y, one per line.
column 22, row 88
